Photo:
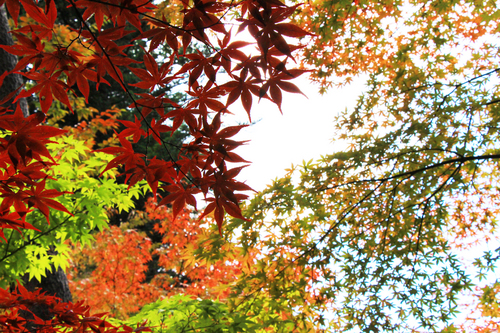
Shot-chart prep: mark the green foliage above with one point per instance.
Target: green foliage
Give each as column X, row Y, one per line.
column 87, row 197
column 180, row 313
column 373, row 235
column 489, row 302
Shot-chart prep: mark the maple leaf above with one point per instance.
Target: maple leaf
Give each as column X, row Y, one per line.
column 191, row 166
column 207, row 97
column 253, row 65
column 183, row 115
column 14, row 199
column 230, row 51
column 39, row 197
column 201, row 16
column 158, row 170
column 47, row 87
column 179, row 195
column 265, row 28
column 278, row 82
column 14, row 220
column 81, row 75
column 150, row 103
column 242, row 88
column 198, row 64
column 225, row 199
column 163, row 32
column 98, row 10
column 46, row 19
column 129, row 11
column 13, row 7
column 152, row 76
column 61, row 57
column 28, row 138
column 158, row 127
column 124, row 155
column 30, row 49
column 133, row 128
column 218, row 140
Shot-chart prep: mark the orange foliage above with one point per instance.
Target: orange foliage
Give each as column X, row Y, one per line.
column 482, row 313
column 365, row 36
column 115, row 285
column 182, row 236
column 113, row 269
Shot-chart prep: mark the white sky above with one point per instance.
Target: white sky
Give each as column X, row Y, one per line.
column 303, row 132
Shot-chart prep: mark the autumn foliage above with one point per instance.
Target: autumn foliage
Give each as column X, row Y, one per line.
column 112, row 271
column 118, row 259
column 203, row 166
column 65, row 316
column 59, row 72
column 363, row 239
column 182, row 236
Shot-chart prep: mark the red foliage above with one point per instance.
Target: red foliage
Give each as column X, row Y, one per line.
column 54, row 73
column 203, row 163
column 67, row 317
column 23, row 159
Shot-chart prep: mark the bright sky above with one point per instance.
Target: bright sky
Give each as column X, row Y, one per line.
column 303, row 132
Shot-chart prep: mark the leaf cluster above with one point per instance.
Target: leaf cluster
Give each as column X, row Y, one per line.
column 86, row 199
column 56, row 69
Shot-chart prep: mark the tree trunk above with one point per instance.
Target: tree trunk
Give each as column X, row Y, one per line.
column 54, row 284
column 7, row 63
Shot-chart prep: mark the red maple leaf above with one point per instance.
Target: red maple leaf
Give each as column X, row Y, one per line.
column 125, row 155
column 179, row 195
column 163, row 32
column 28, row 139
column 158, row 127
column 225, row 199
column 242, row 88
column 13, row 220
column 39, row 197
column 279, row 82
column 48, row 87
column 265, row 28
column 133, row 128
column 152, row 76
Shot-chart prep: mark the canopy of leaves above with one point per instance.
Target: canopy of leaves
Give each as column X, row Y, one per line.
column 376, row 230
column 403, row 42
column 55, row 189
column 364, row 239
column 97, row 54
